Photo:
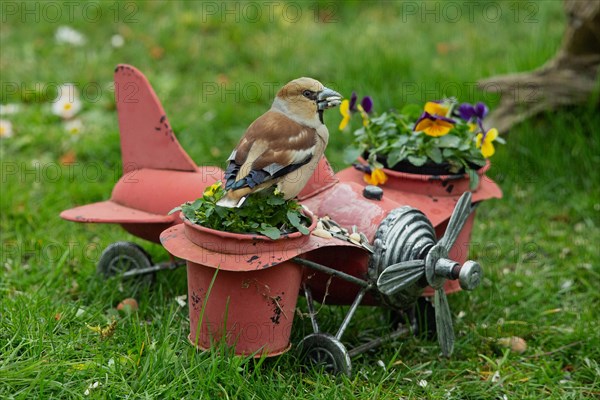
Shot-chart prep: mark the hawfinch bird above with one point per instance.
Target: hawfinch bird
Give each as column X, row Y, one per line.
column 283, row 146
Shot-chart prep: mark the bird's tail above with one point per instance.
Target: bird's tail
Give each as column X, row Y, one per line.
column 231, row 202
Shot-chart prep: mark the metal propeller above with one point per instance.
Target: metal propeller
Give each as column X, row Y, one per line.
column 436, row 267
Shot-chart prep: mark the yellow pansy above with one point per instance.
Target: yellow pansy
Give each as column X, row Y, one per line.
column 211, row 190
column 434, row 108
column 345, row 111
column 363, row 114
column 376, row 177
column 433, row 125
column 486, row 143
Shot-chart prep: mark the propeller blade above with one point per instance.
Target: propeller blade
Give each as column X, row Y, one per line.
column 399, row 276
column 457, row 221
column 443, row 322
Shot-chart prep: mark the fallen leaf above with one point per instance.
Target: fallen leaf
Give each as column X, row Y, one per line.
column 222, row 79
column 105, row 332
column 69, row 158
column 552, row 311
column 444, row 48
column 157, row 52
column 514, row 343
column 128, row 305
column 215, row 151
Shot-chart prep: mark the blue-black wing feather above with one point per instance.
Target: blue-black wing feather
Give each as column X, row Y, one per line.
column 257, row 176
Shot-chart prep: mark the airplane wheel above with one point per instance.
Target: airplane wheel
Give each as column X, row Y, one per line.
column 324, row 350
column 121, row 257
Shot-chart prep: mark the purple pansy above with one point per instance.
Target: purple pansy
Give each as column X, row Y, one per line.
column 469, row 111
column 353, row 99
column 366, row 103
column 478, row 112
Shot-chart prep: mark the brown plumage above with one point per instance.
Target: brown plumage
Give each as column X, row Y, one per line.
column 283, row 146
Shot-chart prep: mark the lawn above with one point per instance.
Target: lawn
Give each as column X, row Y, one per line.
column 216, row 66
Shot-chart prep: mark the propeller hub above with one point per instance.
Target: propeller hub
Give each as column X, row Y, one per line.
column 470, row 275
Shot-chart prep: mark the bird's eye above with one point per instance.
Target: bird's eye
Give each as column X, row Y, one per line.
column 307, row 94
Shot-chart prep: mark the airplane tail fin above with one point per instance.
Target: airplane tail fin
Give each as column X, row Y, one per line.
column 147, row 139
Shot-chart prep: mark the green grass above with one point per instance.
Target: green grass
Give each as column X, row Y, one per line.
column 539, row 244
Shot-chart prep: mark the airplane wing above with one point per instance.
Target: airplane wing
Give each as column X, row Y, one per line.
column 110, row 212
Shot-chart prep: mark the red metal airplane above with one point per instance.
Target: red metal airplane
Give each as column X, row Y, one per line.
column 418, row 226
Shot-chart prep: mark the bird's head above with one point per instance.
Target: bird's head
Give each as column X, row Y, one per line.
column 306, row 99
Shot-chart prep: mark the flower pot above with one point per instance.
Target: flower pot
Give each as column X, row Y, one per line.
column 432, row 185
column 428, row 168
column 242, row 288
column 251, row 311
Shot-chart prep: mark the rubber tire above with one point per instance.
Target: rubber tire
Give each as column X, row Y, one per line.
column 324, row 350
column 120, row 257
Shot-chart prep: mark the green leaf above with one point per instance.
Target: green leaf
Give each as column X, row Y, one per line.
column 449, row 140
column 222, row 211
column 417, row 161
column 396, row 156
column 189, row 212
column 294, row 218
column 274, row 200
column 351, row 154
column 174, row 210
column 435, row 154
column 448, row 153
column 197, row 203
column 400, row 141
column 270, row 231
column 473, row 179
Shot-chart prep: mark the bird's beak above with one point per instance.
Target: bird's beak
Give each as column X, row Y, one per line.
column 328, row 98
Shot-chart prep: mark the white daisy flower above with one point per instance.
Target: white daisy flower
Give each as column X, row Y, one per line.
column 68, row 35
column 67, row 102
column 181, row 300
column 74, row 126
column 8, row 109
column 6, row 129
column 117, row 41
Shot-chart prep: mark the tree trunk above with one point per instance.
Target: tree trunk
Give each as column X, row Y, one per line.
column 569, row 78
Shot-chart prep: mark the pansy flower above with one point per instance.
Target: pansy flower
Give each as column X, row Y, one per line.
column 211, row 190
column 436, row 108
column 376, row 177
column 473, row 114
column 349, row 107
column 433, row 125
column 485, row 142
column 469, row 112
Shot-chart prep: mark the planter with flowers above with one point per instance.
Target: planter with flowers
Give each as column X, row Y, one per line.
column 445, row 139
column 242, row 282
column 426, row 157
